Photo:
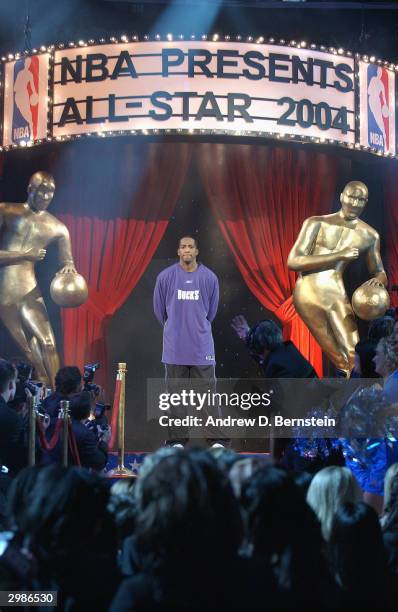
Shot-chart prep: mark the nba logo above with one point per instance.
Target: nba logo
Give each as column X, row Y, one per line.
column 25, row 100
column 378, row 108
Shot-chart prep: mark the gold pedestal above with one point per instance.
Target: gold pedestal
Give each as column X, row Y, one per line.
column 121, row 472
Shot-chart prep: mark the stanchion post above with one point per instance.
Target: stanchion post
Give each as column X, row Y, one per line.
column 31, row 401
column 121, row 471
column 64, row 404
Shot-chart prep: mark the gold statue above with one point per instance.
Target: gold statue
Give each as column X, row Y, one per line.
column 25, row 232
column 323, row 249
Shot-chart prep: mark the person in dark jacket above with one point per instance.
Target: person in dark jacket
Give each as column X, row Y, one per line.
column 277, row 359
column 68, row 382
column 93, row 453
column 13, row 438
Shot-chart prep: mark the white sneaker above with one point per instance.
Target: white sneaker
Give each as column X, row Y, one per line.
column 217, row 445
column 178, row 445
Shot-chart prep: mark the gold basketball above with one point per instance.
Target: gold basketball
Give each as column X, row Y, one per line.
column 69, row 290
column 369, row 303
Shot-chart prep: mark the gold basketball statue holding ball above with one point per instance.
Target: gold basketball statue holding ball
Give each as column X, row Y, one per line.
column 369, row 303
column 325, row 246
column 25, row 232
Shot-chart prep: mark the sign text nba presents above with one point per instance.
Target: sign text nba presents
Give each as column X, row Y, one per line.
column 226, row 87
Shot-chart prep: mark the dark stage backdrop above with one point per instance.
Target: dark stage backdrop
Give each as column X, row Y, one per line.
column 133, row 334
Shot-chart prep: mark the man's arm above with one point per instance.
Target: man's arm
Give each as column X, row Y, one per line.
column 159, row 302
column 375, row 265
column 300, row 258
column 214, row 299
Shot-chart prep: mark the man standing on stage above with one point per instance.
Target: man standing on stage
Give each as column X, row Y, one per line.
column 185, row 303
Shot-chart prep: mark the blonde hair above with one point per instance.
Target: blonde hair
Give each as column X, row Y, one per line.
column 330, row 488
column 390, row 476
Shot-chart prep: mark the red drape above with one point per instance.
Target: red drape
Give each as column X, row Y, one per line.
column 391, row 225
column 260, row 197
column 113, row 253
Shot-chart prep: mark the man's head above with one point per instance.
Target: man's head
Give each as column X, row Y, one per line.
column 187, row 250
column 380, row 328
column 8, row 380
column 68, row 380
column 79, row 405
column 353, row 199
column 264, row 337
column 40, row 190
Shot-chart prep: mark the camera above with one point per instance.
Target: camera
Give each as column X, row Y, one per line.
column 100, row 409
column 24, row 375
column 88, row 377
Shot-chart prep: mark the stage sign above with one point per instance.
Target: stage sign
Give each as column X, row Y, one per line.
column 210, row 86
column 205, row 87
column 377, row 107
column 25, row 99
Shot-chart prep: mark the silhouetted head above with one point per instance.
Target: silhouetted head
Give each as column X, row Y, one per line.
column 8, row 380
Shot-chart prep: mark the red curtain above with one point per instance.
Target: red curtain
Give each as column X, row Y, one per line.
column 113, row 253
column 391, row 225
column 260, row 197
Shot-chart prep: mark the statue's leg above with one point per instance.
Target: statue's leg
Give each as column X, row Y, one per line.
column 342, row 321
column 35, row 318
column 315, row 316
column 10, row 316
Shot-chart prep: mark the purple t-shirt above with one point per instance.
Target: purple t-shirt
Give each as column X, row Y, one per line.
column 185, row 303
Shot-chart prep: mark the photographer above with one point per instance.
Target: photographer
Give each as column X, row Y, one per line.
column 68, row 382
column 277, row 359
column 91, row 440
column 13, row 438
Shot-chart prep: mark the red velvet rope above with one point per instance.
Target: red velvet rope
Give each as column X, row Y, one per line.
column 115, row 411
column 73, row 445
column 48, row 445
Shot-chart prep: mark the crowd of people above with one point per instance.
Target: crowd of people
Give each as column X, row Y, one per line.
column 196, row 532
column 198, row 529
